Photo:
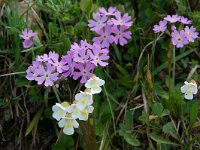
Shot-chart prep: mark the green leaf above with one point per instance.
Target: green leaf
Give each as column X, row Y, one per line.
column 157, row 109
column 193, row 112
column 170, row 129
column 34, row 122
column 165, row 113
column 143, row 117
column 162, row 140
column 118, row 54
column 122, row 70
column 86, row 5
column 131, row 140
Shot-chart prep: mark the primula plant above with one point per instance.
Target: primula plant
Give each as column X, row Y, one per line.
column 99, row 75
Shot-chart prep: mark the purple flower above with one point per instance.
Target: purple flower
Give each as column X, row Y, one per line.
column 191, row 33
column 161, row 27
column 172, row 19
column 110, row 12
column 124, row 20
column 47, row 75
column 69, row 59
column 179, row 38
column 32, row 70
column 121, row 35
column 81, row 55
column 98, row 22
column 173, row 28
column 84, row 71
column 105, row 38
column 61, row 66
column 27, row 43
column 27, row 34
column 98, row 55
column 185, row 20
column 43, row 58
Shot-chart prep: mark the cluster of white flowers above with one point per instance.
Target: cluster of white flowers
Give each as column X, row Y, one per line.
column 189, row 89
column 67, row 113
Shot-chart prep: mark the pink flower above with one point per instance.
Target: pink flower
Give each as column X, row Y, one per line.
column 27, row 34
column 191, row 33
column 185, row 20
column 27, row 43
column 124, row 20
column 98, row 22
column 46, row 75
column 172, row 19
column 98, row 55
column 105, row 38
column 161, row 27
column 83, row 71
column 110, row 12
column 179, row 38
column 121, row 35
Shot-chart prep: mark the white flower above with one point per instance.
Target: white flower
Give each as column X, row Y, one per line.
column 94, row 84
column 84, row 113
column 83, row 99
column 69, row 124
column 189, row 89
column 60, row 110
column 74, row 110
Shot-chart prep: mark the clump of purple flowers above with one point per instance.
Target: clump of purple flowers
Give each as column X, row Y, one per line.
column 111, row 26
column 27, row 35
column 83, row 58
column 79, row 62
column 179, row 38
column 47, row 69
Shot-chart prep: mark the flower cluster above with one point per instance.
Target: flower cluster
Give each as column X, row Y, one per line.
column 179, row 38
column 83, row 58
column 47, row 69
column 67, row 114
column 189, row 89
column 79, row 62
column 27, row 35
column 111, row 26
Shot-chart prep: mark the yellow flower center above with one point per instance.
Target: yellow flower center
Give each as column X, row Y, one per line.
column 84, row 112
column 60, row 113
column 83, row 101
column 190, row 89
column 95, row 86
column 68, row 125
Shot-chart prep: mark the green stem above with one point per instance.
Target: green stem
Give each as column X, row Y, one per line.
column 169, row 55
column 56, row 93
column 94, row 130
column 174, row 66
